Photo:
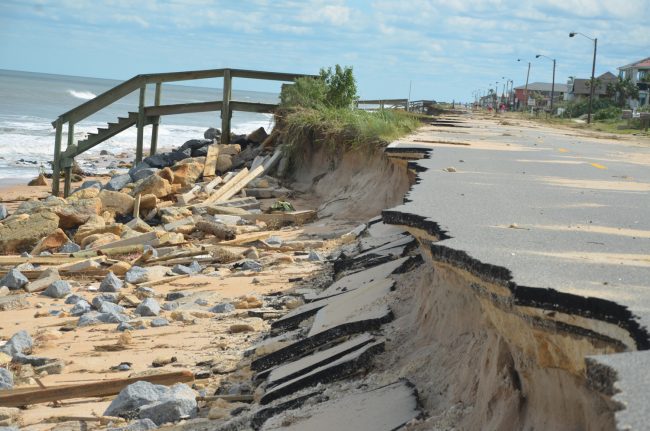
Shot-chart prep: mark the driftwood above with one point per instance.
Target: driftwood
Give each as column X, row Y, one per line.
column 162, row 280
column 219, row 230
column 226, row 187
column 211, row 161
column 27, row 396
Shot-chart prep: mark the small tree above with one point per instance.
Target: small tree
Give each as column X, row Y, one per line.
column 341, row 86
column 621, row 90
column 333, row 89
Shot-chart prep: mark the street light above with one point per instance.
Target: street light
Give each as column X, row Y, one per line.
column 526, row 88
column 593, row 70
column 553, row 82
column 508, row 88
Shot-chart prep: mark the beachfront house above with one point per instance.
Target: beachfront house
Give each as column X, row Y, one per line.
column 539, row 94
column 579, row 89
column 639, row 73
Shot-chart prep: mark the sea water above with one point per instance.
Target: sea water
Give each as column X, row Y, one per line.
column 30, row 102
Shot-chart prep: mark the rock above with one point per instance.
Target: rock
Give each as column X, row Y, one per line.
column 160, row 160
column 251, row 253
column 224, row 307
column 69, row 248
column 90, row 184
column 34, row 361
column 158, row 322
column 258, row 136
column 14, row 280
column 3, row 212
column 194, row 268
column 138, row 425
column 212, row 134
column 80, row 307
column 187, row 172
column 314, row 256
column 22, row 234
column 120, row 268
column 51, row 367
column 224, row 163
column 88, row 318
column 173, row 296
column 148, row 202
column 116, row 202
column 104, row 297
column 87, row 193
column 134, row 396
column 194, row 144
column 57, row 289
column 109, row 307
column 98, row 240
column 167, row 174
column 137, row 274
column 136, row 168
column 169, row 306
column 38, row 181
column 78, row 212
column 6, row 379
column 273, row 241
column 154, row 185
column 73, row 299
column 20, row 342
column 118, row 182
column 148, row 307
column 179, row 404
column 240, row 327
column 94, row 317
column 251, row 265
column 143, row 173
column 124, row 326
column 111, row 283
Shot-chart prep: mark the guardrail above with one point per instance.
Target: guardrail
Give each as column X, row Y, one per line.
column 151, row 114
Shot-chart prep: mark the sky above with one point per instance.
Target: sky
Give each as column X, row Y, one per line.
column 439, row 49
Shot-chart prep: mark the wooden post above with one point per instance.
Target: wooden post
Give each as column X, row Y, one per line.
column 140, row 142
column 156, row 123
column 56, row 162
column 225, row 107
column 68, row 169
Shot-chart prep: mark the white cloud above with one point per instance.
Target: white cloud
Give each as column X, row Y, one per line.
column 133, row 19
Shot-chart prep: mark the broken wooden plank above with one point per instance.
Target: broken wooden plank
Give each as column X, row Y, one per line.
column 258, row 161
column 210, row 168
column 219, row 230
column 113, row 251
column 229, row 398
column 136, row 205
column 17, row 398
column 162, row 280
column 149, row 238
column 212, row 184
column 246, row 238
column 37, row 260
column 240, row 184
column 187, row 197
column 283, row 218
column 226, row 187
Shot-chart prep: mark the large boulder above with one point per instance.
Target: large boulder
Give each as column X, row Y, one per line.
column 14, row 279
column 224, row 162
column 158, row 403
column 136, row 168
column 188, row 171
column 58, row 289
column 258, row 136
column 20, row 342
column 116, row 202
column 153, row 185
column 20, row 234
column 111, row 283
column 118, row 182
column 148, row 307
column 212, row 134
column 159, row 160
column 84, row 193
column 53, row 241
column 144, row 173
column 194, row 144
column 77, row 212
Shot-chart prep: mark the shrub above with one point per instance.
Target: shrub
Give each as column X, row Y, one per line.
column 332, row 89
column 609, row 113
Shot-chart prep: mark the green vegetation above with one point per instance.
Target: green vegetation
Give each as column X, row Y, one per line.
column 321, row 112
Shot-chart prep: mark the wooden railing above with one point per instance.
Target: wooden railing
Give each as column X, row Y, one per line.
column 151, row 114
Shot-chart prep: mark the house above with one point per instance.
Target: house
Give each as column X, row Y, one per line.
column 541, row 88
column 639, row 73
column 579, row 88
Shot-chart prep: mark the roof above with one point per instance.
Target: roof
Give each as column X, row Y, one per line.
column 581, row 86
column 645, row 63
column 544, row 87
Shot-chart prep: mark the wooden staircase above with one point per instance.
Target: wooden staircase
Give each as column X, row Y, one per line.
column 146, row 115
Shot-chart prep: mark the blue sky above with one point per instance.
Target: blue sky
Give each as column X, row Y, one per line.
column 446, row 48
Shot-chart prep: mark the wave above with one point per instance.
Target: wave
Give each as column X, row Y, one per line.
column 83, row 95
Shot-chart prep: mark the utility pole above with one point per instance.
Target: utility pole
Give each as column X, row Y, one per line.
column 593, row 71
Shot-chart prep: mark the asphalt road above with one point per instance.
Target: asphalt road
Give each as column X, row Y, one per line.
column 547, row 209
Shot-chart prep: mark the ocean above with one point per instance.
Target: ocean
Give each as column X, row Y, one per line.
column 29, row 102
